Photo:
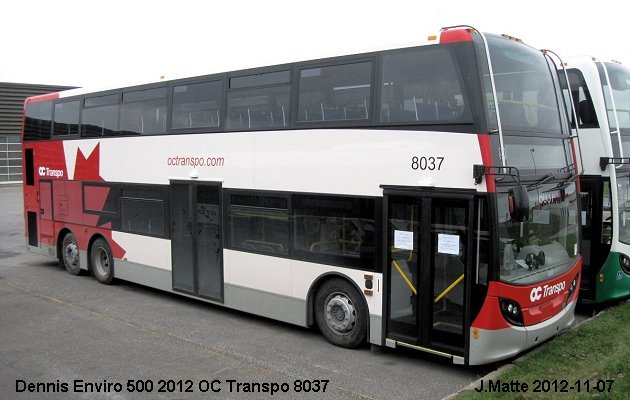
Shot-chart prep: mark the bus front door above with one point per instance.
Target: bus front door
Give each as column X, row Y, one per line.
column 429, row 248
column 596, row 219
column 197, row 252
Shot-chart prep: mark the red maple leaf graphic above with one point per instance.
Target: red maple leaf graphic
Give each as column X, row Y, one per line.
column 88, row 169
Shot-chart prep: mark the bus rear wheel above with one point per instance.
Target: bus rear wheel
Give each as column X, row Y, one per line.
column 102, row 261
column 70, row 254
column 341, row 314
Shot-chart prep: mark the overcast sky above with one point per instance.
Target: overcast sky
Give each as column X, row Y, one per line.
column 117, row 42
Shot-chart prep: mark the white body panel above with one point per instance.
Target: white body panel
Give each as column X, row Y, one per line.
column 145, row 250
column 258, row 272
column 598, row 142
column 594, row 142
column 353, row 162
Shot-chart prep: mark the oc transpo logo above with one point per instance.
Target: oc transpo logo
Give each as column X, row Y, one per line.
column 535, row 295
column 45, row 171
column 539, row 292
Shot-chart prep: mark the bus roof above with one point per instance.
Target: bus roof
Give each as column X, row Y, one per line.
column 444, row 37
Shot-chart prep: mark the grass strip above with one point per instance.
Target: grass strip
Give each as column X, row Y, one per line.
column 590, row 361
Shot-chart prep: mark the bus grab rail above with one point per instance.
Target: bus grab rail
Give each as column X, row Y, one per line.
column 449, row 288
column 479, row 171
column 614, row 110
column 404, row 276
column 492, row 84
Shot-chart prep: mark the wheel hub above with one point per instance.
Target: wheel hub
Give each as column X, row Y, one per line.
column 340, row 313
column 101, row 261
column 72, row 254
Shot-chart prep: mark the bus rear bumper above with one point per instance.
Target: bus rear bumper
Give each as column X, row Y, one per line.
column 488, row 346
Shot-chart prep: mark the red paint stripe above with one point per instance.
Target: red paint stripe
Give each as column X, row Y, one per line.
column 42, row 97
column 490, row 317
column 486, row 157
column 534, row 312
column 455, row 36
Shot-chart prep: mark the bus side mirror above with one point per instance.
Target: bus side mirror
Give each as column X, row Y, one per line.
column 518, row 204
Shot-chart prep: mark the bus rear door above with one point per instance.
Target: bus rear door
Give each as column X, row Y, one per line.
column 196, row 245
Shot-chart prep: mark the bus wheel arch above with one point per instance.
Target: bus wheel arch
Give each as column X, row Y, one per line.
column 68, row 251
column 337, row 306
column 101, row 259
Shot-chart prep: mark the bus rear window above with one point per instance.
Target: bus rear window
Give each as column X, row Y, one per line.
column 38, row 121
column 67, row 118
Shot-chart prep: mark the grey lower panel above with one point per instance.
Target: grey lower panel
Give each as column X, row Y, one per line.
column 83, row 260
column 143, row 274
column 282, row 308
column 43, row 250
column 376, row 330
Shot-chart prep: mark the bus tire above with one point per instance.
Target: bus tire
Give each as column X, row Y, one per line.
column 341, row 314
column 102, row 261
column 70, row 254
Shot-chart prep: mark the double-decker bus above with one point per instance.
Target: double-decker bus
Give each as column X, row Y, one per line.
column 422, row 197
column 600, row 92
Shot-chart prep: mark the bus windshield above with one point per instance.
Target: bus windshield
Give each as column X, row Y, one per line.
column 545, row 246
column 620, row 84
column 525, row 89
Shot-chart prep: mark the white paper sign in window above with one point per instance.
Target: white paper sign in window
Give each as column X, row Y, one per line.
column 448, row 244
column 403, row 240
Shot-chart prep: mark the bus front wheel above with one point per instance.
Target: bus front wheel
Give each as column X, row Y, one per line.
column 70, row 254
column 102, row 261
column 341, row 313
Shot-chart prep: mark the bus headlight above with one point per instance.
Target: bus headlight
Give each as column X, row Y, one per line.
column 511, row 311
column 624, row 261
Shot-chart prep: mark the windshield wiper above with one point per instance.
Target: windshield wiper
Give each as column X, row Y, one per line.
column 566, row 183
column 542, row 181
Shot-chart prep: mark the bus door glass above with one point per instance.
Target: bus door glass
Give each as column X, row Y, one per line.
column 429, row 267
column 196, row 247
